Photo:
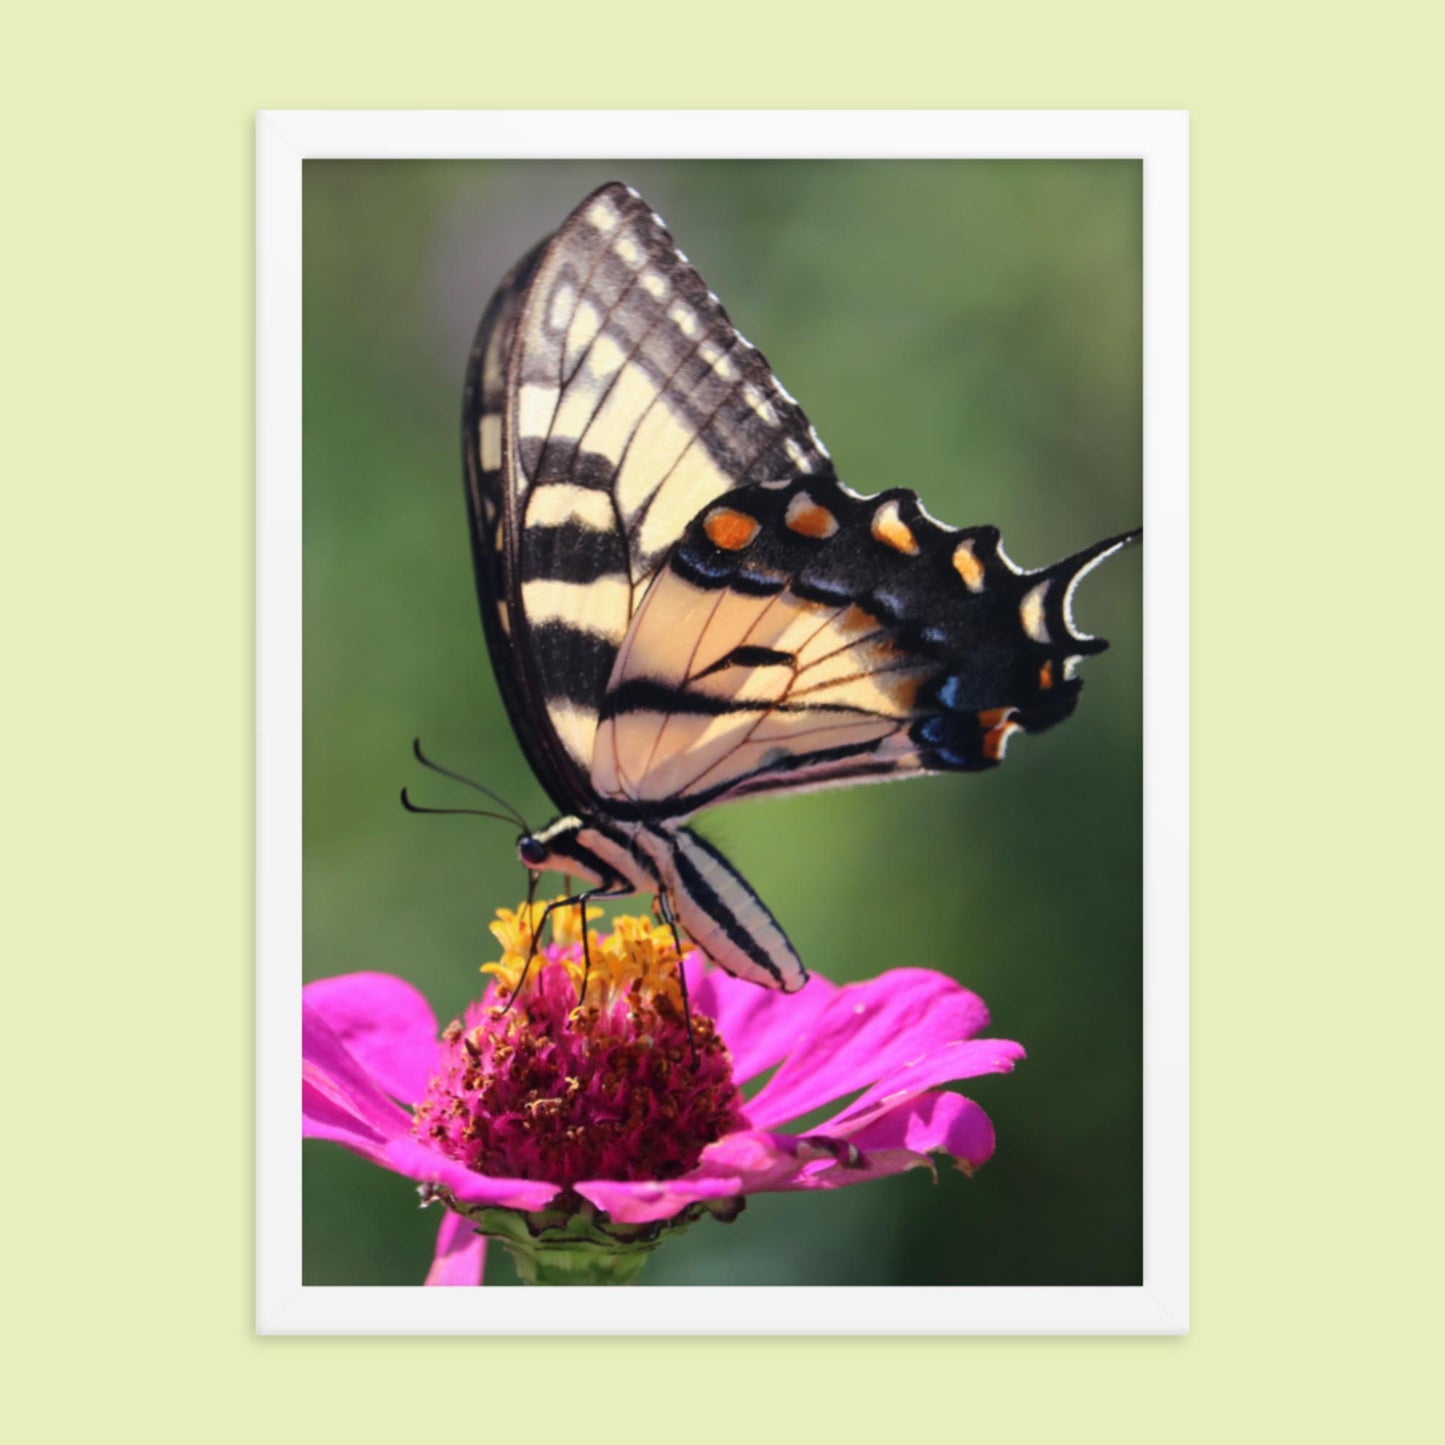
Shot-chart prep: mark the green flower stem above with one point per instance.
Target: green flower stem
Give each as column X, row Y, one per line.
column 582, row 1265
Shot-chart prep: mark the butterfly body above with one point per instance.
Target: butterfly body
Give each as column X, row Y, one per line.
column 685, row 605
column 701, row 891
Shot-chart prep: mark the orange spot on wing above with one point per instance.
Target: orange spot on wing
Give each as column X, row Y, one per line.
column 995, row 741
column 730, row 530
column 968, row 566
column 1046, row 676
column 807, row 518
column 889, row 528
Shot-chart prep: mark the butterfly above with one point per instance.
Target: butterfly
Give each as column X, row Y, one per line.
column 683, row 603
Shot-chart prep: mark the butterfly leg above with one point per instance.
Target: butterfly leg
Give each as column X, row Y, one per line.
column 580, row 902
column 671, row 922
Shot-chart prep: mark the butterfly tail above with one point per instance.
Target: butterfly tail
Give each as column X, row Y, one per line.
column 1047, row 690
column 970, row 719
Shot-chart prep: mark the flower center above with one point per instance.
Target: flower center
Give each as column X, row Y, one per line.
column 535, row 1085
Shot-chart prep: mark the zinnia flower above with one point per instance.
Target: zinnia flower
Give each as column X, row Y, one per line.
column 582, row 1134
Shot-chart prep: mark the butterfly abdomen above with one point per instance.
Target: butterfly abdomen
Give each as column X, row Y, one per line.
column 717, row 909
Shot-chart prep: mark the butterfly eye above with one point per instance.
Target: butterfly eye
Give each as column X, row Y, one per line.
column 531, row 852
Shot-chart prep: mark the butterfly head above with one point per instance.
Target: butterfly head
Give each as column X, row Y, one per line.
column 570, row 845
column 553, row 847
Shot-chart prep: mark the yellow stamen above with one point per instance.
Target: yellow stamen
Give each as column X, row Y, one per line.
column 516, row 928
column 637, row 958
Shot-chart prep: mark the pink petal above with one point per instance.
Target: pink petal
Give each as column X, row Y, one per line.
column 906, row 1139
column 755, row 1161
column 410, row 1157
column 758, row 1025
column 643, row 1202
column 930, row 1124
column 866, row 1032
column 322, row 1118
column 743, row 1163
column 335, row 1085
column 965, row 1060
column 461, row 1252
column 339, row 1101
column 387, row 1026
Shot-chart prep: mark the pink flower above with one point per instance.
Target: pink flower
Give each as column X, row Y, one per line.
column 600, row 1127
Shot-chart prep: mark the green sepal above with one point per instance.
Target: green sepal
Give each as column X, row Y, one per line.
column 573, row 1242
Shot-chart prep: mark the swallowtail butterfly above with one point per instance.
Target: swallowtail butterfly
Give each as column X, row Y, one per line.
column 683, row 603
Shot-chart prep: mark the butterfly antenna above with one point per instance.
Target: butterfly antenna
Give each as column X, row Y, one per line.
column 513, row 815
column 411, row 807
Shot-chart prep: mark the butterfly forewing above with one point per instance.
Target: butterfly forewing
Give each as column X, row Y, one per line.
column 627, row 401
column 491, row 513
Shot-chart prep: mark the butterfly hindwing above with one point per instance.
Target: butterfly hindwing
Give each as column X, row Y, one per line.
column 613, row 400
column 802, row 636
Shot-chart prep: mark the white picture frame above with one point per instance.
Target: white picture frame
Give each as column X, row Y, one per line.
column 284, row 140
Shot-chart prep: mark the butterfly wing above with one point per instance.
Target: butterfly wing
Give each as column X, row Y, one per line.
column 494, row 563
column 609, row 398
column 802, row 636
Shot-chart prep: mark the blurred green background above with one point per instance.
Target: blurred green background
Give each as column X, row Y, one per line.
column 968, row 329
